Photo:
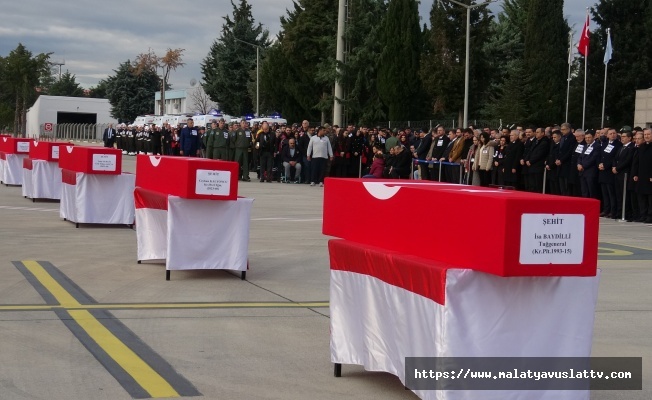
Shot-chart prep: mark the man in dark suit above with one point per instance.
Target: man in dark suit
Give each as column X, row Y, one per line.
column 535, row 161
column 402, row 166
column 189, row 140
column 527, row 146
column 606, row 177
column 552, row 175
column 422, row 151
column 109, row 136
column 563, row 163
column 642, row 172
column 574, row 186
column 292, row 157
column 453, row 139
column 437, row 147
column 621, row 168
column 156, row 136
column 587, row 165
column 512, row 158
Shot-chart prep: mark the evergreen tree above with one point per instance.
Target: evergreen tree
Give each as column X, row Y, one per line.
column 504, row 51
column 66, row 86
column 630, row 67
column 21, row 74
column 275, row 96
column 360, row 69
column 300, row 71
column 511, row 104
column 226, row 70
column 99, row 91
column 443, row 64
column 131, row 94
column 399, row 85
column 546, row 60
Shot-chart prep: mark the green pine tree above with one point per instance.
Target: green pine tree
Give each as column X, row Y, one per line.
column 362, row 103
column 20, row 77
column 399, row 85
column 131, row 94
column 99, row 91
column 226, row 70
column 443, row 64
column 66, row 86
column 504, row 51
column 299, row 72
column 546, row 60
column 630, row 68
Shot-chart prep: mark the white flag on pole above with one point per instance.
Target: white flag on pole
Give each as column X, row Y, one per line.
column 609, row 49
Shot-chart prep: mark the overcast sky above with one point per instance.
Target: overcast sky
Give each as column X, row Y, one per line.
column 94, row 36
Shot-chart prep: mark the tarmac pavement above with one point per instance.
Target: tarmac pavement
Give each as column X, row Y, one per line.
column 247, row 339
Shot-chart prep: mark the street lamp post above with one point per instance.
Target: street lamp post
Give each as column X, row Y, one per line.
column 257, row 73
column 468, row 51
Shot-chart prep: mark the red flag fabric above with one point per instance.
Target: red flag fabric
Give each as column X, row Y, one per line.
column 583, row 46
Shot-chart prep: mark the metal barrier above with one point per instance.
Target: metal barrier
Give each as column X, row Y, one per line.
column 74, row 132
column 430, row 124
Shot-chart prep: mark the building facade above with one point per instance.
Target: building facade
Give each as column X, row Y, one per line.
column 643, row 108
column 192, row 100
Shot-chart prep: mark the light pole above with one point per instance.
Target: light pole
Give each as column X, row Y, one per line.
column 468, row 51
column 257, row 73
column 339, row 91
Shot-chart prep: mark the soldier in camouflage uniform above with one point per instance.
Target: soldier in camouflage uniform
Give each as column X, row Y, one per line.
column 234, row 127
column 242, row 145
column 209, row 139
column 221, row 142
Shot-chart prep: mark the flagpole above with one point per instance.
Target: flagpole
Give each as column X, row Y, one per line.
column 586, row 70
column 606, row 68
column 604, row 94
column 570, row 56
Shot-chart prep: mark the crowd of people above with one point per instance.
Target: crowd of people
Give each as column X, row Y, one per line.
column 612, row 166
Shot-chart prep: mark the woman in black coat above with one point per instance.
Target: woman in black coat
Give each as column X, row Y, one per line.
column 511, row 160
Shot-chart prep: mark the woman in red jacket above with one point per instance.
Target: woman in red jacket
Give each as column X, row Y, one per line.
column 377, row 167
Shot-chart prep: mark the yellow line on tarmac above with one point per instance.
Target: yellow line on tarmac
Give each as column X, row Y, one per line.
column 139, row 370
column 60, row 294
column 146, row 377
column 9, row 307
column 153, row 306
column 628, row 245
column 606, row 251
column 162, row 306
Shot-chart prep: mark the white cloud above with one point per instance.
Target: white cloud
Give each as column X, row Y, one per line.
column 94, row 36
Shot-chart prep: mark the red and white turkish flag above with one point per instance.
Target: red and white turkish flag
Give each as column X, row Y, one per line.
column 583, row 46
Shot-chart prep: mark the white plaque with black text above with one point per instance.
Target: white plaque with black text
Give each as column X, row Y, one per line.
column 552, row 238
column 210, row 182
column 104, row 162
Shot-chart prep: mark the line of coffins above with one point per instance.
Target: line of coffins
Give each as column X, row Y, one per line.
column 527, row 287
column 169, row 199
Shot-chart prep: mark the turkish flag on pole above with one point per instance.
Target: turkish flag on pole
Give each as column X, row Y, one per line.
column 583, row 46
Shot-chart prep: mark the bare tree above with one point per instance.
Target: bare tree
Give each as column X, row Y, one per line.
column 169, row 62
column 201, row 102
